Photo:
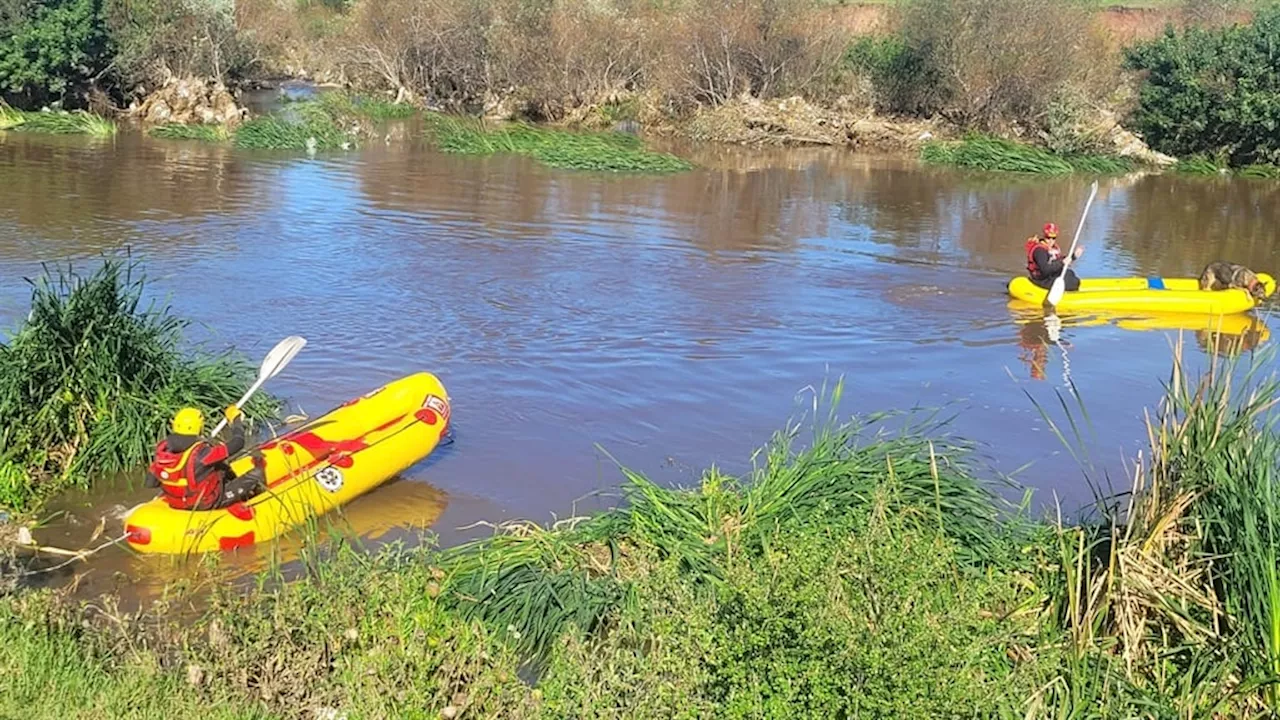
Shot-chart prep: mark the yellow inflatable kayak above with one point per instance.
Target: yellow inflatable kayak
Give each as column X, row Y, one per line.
column 325, row 463
column 1169, row 295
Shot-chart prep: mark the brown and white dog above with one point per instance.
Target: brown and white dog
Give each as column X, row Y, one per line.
column 1224, row 276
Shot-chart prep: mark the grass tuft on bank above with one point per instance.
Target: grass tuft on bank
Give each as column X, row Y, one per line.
column 78, row 122
column 608, row 152
column 89, row 381
column 989, row 153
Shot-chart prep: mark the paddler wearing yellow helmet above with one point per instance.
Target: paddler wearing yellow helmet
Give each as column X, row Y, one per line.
column 193, row 470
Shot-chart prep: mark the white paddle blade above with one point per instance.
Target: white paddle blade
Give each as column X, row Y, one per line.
column 280, row 355
column 1058, row 288
column 272, row 364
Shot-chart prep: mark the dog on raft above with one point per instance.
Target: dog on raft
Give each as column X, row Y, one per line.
column 1225, row 276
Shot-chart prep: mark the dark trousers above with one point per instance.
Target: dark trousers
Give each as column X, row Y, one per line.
column 244, row 487
column 1069, row 281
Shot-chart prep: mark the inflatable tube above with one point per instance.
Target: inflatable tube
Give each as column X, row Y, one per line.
column 311, row 470
column 1145, row 295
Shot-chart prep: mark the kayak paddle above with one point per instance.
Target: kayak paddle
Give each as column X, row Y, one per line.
column 272, row 364
column 1059, row 283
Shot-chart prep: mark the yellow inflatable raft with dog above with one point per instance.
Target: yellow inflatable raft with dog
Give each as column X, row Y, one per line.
column 1143, row 295
column 309, row 471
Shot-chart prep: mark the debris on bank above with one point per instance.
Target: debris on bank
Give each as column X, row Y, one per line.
column 190, row 101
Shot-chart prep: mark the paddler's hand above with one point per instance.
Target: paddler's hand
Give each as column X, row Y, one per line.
column 1079, row 251
column 232, row 413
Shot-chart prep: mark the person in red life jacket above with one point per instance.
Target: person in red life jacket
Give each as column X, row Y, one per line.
column 1044, row 259
column 193, row 471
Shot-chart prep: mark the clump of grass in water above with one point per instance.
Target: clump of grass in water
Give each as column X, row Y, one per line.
column 203, row 133
column 78, row 122
column 614, row 152
column 89, row 382
column 9, row 118
column 983, row 152
column 340, row 104
column 300, row 125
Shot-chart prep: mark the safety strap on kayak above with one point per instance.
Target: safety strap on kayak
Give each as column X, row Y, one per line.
column 1155, row 283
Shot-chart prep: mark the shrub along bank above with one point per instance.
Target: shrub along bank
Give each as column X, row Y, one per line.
column 865, row 574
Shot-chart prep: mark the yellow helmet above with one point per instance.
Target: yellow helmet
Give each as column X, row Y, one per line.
column 188, row 421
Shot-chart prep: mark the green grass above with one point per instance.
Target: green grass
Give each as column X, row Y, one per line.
column 89, row 381
column 340, row 104
column 297, row 127
column 9, row 118
column 984, row 152
column 203, row 133
column 610, row 152
column 856, row 572
column 78, row 122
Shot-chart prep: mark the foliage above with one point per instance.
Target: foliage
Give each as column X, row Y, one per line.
column 77, row 122
column 156, row 39
column 50, row 48
column 984, row 152
column 90, row 380
column 615, row 152
column 299, row 126
column 179, row 131
column 1212, row 90
column 984, row 65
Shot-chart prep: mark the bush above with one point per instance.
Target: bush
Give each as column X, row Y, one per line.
column 982, row 64
column 154, row 39
column 49, row 49
column 1214, row 92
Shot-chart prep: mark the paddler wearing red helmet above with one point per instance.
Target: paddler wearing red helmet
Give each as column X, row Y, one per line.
column 1044, row 259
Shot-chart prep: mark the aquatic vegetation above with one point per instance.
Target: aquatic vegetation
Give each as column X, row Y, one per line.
column 614, row 152
column 985, row 152
column 340, row 104
column 179, row 131
column 300, row 126
column 90, row 380
column 78, row 122
column 9, row 118
column 1199, row 165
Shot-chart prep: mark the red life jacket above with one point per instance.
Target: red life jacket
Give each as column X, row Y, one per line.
column 187, row 483
column 1054, row 254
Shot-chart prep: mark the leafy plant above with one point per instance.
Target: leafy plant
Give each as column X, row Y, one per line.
column 1212, row 90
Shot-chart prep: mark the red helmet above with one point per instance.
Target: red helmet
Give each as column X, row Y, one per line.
column 1050, row 230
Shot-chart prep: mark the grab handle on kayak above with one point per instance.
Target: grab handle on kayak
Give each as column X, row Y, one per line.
column 1155, row 283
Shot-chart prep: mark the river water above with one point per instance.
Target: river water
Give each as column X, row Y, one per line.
column 670, row 322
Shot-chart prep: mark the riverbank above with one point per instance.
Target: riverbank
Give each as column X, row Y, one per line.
column 882, row 75
column 854, row 573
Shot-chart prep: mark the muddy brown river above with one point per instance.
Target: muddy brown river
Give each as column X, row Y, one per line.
column 674, row 322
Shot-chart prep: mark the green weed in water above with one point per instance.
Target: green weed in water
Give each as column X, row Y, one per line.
column 90, row 380
column 983, row 152
column 340, row 104
column 611, row 152
column 78, row 122
column 203, row 133
column 1198, row 165
column 299, row 127
column 9, row 118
